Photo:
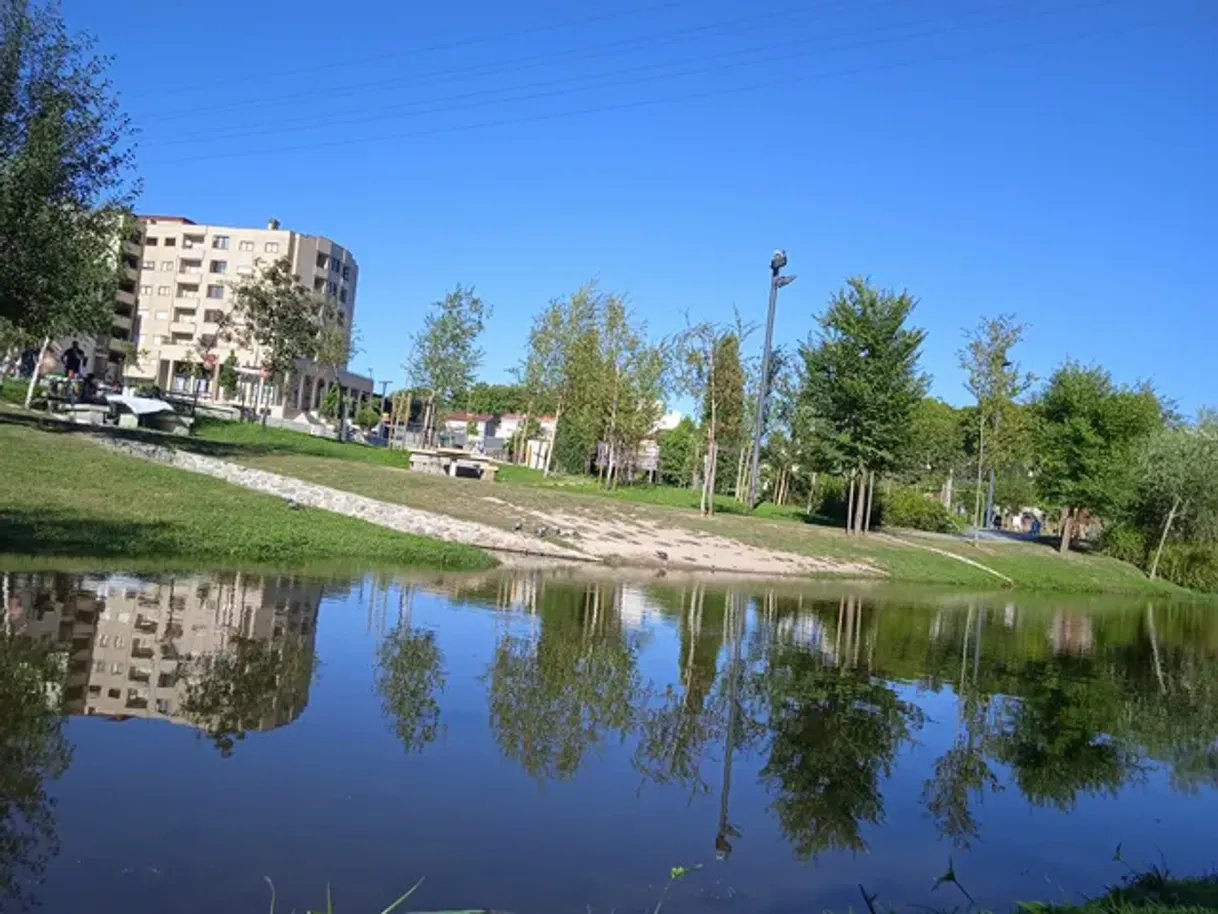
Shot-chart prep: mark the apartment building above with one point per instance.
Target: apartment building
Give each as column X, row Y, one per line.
column 133, row 647
column 180, row 277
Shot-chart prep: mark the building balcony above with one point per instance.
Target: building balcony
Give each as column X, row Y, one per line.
column 186, row 327
column 121, row 321
column 126, row 296
column 142, row 652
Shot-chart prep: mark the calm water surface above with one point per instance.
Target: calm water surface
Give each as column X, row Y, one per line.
column 542, row 744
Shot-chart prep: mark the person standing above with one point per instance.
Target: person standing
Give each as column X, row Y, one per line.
column 73, row 361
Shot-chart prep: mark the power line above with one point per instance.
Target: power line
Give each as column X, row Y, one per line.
column 427, row 49
column 802, row 49
column 496, row 67
column 711, row 93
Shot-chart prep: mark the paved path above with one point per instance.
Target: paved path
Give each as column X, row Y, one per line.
column 395, row 517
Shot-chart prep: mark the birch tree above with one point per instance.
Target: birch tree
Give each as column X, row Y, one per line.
column 708, row 370
column 65, row 164
column 446, row 356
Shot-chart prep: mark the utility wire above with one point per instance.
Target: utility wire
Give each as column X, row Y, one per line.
column 503, row 66
column 802, row 49
column 624, row 106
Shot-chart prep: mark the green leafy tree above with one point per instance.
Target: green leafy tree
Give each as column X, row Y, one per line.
column 446, row 354
column 330, row 403
column 368, row 416
column 410, row 676
column 634, row 387
column 936, row 446
column 862, row 380
column 33, row 752
column 229, row 378
column 277, row 317
column 1090, row 431
column 65, row 161
column 337, row 345
column 1178, row 486
column 499, row 399
column 997, row 383
column 678, row 450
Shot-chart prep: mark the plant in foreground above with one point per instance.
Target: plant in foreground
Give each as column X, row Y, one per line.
column 330, row 900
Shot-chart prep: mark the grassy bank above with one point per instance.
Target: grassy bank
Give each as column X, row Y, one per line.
column 62, row 495
column 1155, row 892
column 250, row 438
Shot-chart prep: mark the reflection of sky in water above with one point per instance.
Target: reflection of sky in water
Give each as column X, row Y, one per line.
column 151, row 818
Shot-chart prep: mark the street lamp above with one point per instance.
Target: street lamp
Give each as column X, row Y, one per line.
column 777, row 281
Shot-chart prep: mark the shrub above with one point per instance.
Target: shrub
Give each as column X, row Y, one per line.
column 903, row 506
column 1191, row 565
column 1124, row 542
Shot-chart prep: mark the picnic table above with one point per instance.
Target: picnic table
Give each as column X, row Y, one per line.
column 451, row 462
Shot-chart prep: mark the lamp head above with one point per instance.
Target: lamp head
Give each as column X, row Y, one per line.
column 778, row 261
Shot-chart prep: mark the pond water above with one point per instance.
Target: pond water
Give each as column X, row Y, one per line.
column 554, row 744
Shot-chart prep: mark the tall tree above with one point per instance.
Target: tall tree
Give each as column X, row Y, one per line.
column 65, row 159
column 708, row 370
column 862, row 379
column 1090, row 430
column 410, row 677
column 274, row 314
column 446, row 355
column 337, row 345
column 997, row 383
column 1178, row 486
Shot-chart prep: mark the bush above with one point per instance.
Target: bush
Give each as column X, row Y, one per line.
column 1124, row 543
column 905, row 507
column 1191, row 565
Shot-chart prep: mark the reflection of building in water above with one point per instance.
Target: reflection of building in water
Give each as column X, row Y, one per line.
column 1071, row 633
column 635, row 609
column 130, row 643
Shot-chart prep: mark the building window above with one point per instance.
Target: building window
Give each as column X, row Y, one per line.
column 319, row 283
column 117, row 669
column 213, row 316
column 322, row 260
column 214, row 291
column 145, row 290
column 166, row 266
column 185, row 291
column 219, row 266
column 99, row 666
column 149, row 264
column 346, row 271
column 150, row 242
column 171, row 242
column 190, row 266
column 331, row 288
column 162, row 290
column 192, row 241
column 342, row 296
column 103, row 640
column 271, row 247
column 333, row 264
column 220, row 242
column 245, row 246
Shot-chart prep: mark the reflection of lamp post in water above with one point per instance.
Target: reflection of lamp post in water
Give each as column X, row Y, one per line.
column 723, row 847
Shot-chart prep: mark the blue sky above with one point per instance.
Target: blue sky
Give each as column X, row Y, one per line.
column 1051, row 158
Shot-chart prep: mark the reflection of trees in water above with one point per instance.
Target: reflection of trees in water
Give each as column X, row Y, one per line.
column 409, row 678
column 835, row 731
column 556, row 696
column 254, row 685
column 33, row 751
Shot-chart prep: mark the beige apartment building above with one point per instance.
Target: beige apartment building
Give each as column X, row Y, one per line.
column 178, row 279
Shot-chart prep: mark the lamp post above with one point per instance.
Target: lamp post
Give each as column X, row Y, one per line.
column 777, row 281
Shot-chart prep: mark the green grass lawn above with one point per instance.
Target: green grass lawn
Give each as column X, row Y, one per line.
column 1154, row 892
column 62, row 495
column 251, row 438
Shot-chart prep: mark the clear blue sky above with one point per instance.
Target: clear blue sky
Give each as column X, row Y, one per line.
column 1053, row 158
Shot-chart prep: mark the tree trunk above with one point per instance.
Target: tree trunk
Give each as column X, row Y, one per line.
column 712, row 478
column 1066, row 522
column 947, row 490
column 42, row 354
column 860, row 502
column 870, row 502
column 1171, row 518
column 553, row 440
column 980, row 470
column 705, row 474
column 811, row 492
column 741, row 465
column 850, row 506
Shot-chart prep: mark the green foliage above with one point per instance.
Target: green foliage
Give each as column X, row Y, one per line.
column 254, row 685
column 329, row 403
column 502, row 399
column 997, row 384
column 229, row 379
column 862, row 378
column 1191, row 565
column 1090, row 434
column 410, row 677
column 901, row 506
column 65, row 156
column 33, row 752
column 678, row 449
column 368, row 415
column 276, row 315
column 1178, row 481
column 446, row 354
column 936, row 443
